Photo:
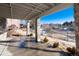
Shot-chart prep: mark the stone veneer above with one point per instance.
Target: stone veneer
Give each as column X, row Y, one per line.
column 76, row 11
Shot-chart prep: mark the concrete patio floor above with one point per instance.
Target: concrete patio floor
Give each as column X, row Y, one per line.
column 31, row 49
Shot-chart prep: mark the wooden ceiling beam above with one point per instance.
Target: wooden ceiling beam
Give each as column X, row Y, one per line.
column 26, row 7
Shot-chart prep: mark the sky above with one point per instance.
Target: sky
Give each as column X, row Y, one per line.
column 59, row 17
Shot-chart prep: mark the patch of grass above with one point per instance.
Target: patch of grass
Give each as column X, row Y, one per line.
column 56, row 44
column 30, row 34
column 45, row 39
column 71, row 50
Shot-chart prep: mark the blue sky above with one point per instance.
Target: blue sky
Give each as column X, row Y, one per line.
column 64, row 15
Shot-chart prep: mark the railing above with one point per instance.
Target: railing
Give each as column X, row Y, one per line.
column 65, row 35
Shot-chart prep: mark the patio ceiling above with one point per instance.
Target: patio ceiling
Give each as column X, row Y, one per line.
column 29, row 11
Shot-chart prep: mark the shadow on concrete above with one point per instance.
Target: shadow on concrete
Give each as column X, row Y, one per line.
column 12, row 41
column 62, row 53
column 9, row 41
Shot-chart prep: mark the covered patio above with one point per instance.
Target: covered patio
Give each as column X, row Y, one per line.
column 33, row 12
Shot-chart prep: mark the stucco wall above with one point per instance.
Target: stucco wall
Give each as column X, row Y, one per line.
column 3, row 36
column 13, row 21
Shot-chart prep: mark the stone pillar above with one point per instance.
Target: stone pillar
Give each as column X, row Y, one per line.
column 28, row 27
column 37, row 30
column 76, row 6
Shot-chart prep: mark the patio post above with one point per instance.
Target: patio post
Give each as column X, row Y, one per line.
column 37, row 30
column 76, row 6
column 28, row 27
